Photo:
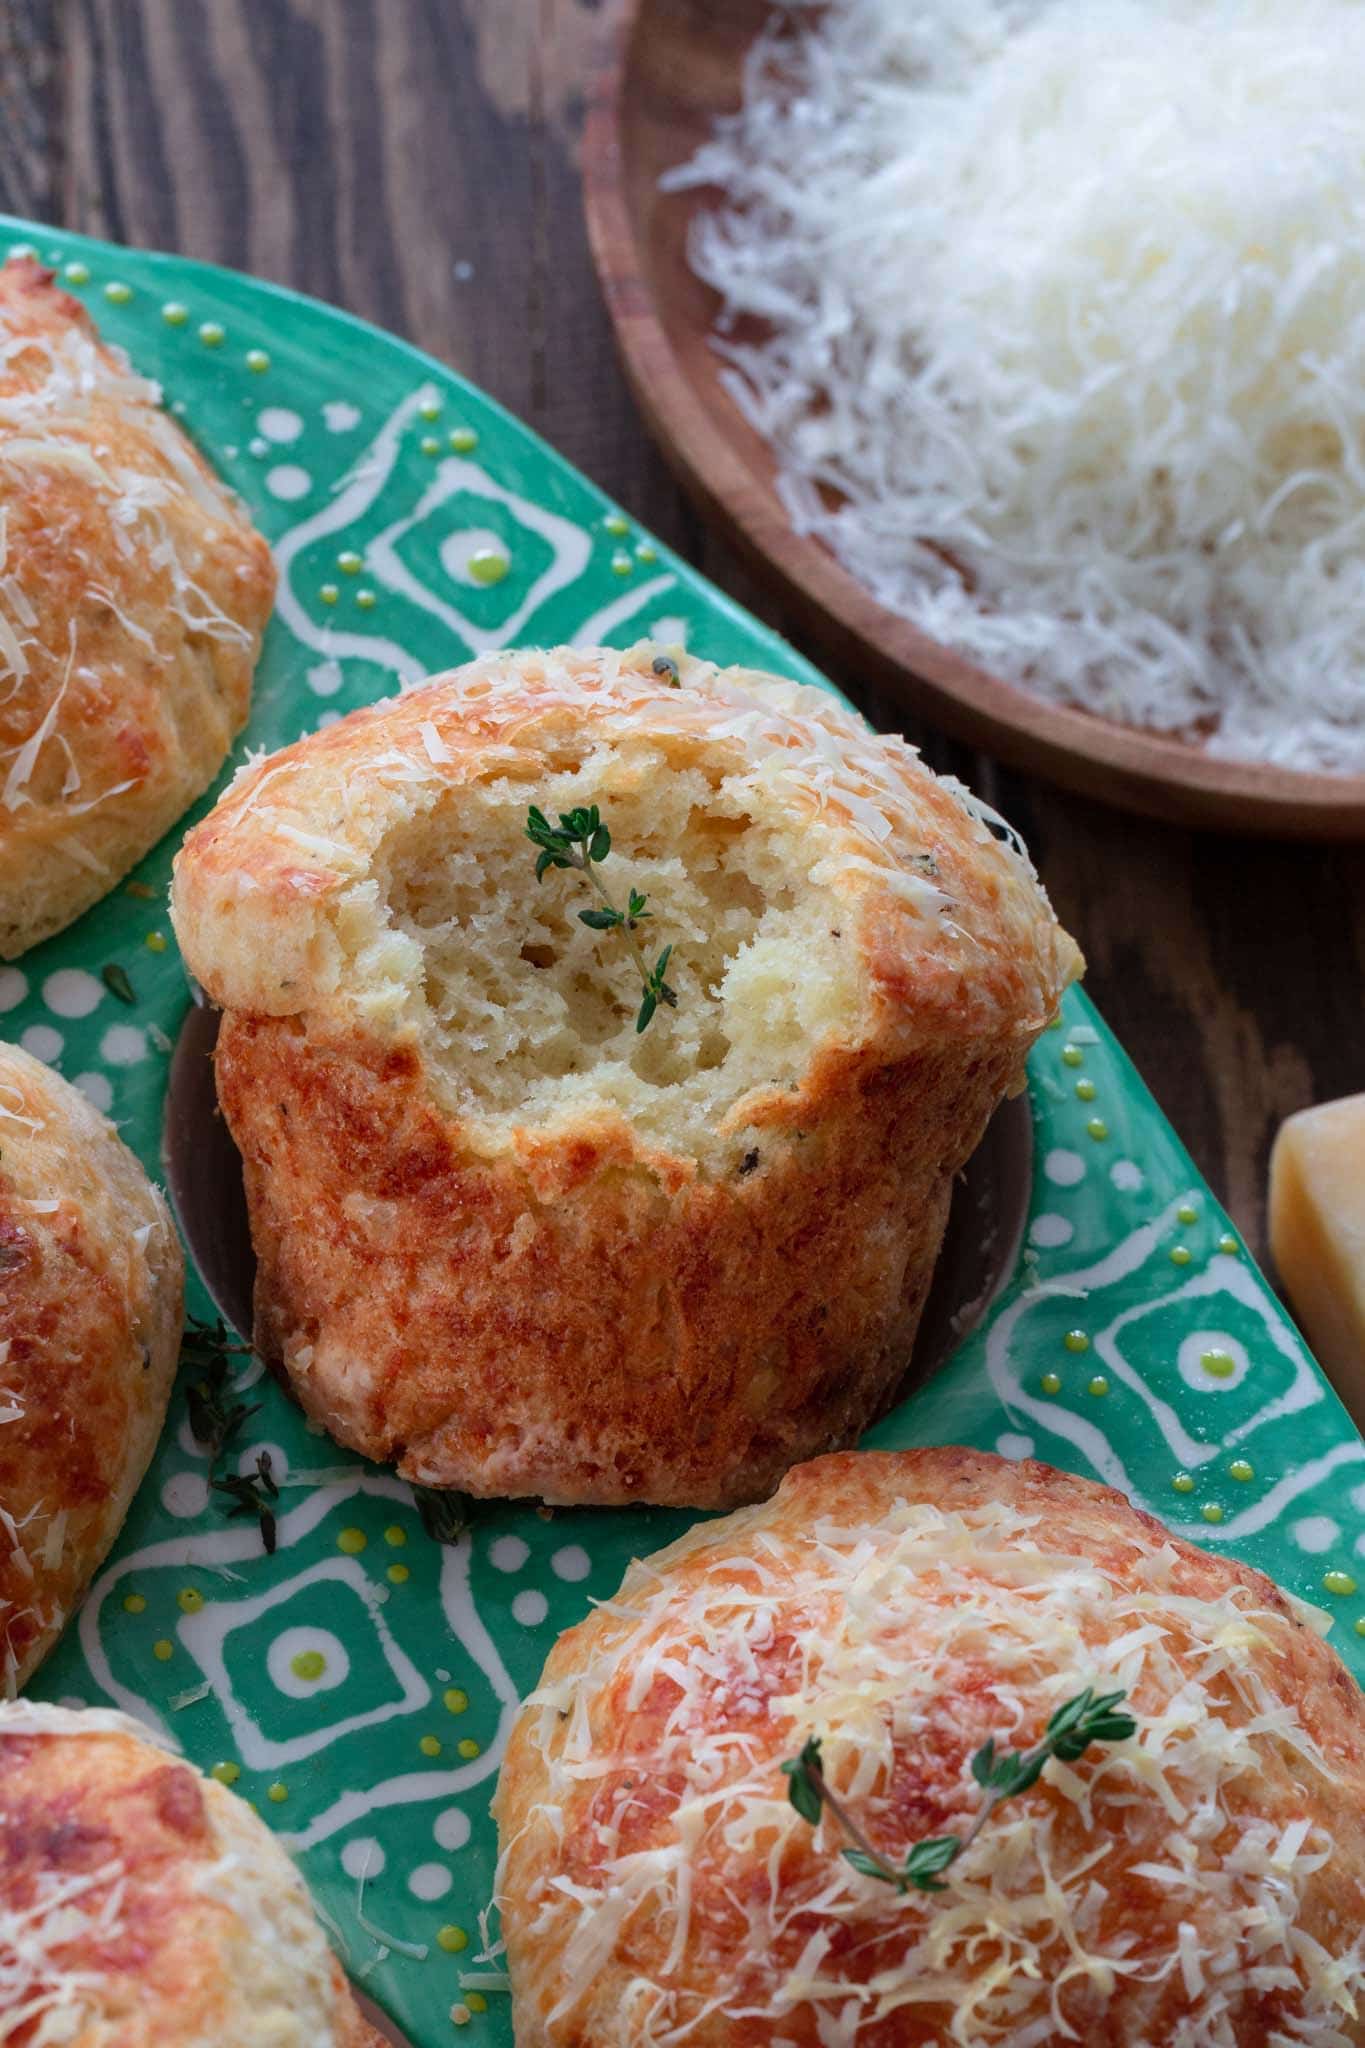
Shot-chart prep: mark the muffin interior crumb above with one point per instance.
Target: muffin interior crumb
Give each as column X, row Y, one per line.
column 527, row 1014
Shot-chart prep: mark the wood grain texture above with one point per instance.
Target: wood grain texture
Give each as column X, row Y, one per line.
column 416, row 161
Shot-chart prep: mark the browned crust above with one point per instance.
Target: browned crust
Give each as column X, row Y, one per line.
column 151, row 704
column 582, row 1320
column 90, row 1324
column 542, row 1838
column 166, row 1959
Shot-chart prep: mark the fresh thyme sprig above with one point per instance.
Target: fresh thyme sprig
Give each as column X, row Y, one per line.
column 1081, row 1721
column 582, row 841
column 254, row 1493
column 217, row 1418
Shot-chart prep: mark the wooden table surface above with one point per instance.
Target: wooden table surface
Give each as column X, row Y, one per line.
column 415, row 162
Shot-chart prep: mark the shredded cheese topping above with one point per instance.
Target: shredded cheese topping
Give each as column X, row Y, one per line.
column 1065, row 355
column 1181, row 1864
column 56, row 398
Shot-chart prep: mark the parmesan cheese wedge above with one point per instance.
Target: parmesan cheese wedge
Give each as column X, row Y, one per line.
column 1317, row 1235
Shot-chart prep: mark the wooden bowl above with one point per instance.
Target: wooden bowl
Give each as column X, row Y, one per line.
column 667, row 69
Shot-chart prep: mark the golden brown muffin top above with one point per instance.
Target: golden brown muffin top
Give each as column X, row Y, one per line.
column 91, row 1279
column 274, row 892
column 143, row 1906
column 1202, row 1881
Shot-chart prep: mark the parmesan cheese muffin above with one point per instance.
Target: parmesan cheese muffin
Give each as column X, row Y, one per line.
column 506, row 1237
column 91, row 1289
column 144, row 1906
column 1199, row 1884
column 133, row 595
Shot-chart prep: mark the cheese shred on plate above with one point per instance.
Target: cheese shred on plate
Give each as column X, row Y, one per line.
column 1062, row 343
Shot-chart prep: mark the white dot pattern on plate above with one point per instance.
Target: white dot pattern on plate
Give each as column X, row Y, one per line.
column 279, row 1460
column 530, row 1607
column 185, row 1494
column 1012, row 1446
column 340, row 416
column 1315, row 1533
column 1126, row 1175
column 71, row 992
column 98, row 1091
column 1049, row 1231
column 123, row 1045
column 279, row 423
column 451, row 1829
column 43, row 1042
column 325, row 678
column 13, row 988
column 288, row 481
column 572, row 1563
column 309, row 1643
column 508, row 1553
column 1063, row 1168
column 430, row 1881
column 363, row 1857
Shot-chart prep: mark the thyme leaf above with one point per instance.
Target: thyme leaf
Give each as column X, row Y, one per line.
column 581, row 841
column 254, row 1493
column 1087, row 1718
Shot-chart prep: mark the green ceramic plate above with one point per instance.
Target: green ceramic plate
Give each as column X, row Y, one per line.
column 359, row 1685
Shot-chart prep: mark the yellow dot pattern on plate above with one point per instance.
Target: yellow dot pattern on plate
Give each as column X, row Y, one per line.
column 430, row 445
column 1360, row 1626
column 615, row 522
column 1073, row 1055
column 77, row 273
column 452, row 1939
column 163, row 1650
column 308, row 1665
column 396, row 1535
column 212, row 333
column 134, row 1603
column 645, row 553
column 1051, row 1383
column 118, row 293
column 226, row 1773
column 1098, row 1385
column 1180, row 1255
column 468, row 1749
column 1076, row 1340
column 463, row 440
column 398, row 1574
column 1219, row 1365
column 1098, row 1128
column 1183, row 1483
column 430, row 1745
column 277, row 1793
column 189, row 1600
column 1187, row 1213
column 476, row 2001
column 1211, row 1511
column 1085, row 1091
column 429, row 409
column 352, row 1541
column 349, row 562
column 456, row 1699
column 1227, row 1243
column 174, row 314
column 329, row 593
column 487, row 566
column 621, row 563
column 1338, row 1582
column 1241, row 1468
column 366, row 600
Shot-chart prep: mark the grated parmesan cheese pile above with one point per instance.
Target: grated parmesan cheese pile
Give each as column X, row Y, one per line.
column 1180, row 1866
column 1065, row 359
